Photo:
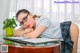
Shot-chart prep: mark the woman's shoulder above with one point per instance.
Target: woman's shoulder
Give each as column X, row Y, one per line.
column 44, row 18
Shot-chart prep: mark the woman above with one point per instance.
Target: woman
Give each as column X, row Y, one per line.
column 33, row 26
column 43, row 27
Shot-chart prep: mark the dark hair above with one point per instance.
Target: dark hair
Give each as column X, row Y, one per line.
column 36, row 16
column 22, row 11
column 25, row 11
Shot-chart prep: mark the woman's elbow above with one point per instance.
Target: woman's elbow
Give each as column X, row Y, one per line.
column 14, row 34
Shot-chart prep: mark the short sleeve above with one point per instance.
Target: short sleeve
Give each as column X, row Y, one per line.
column 45, row 22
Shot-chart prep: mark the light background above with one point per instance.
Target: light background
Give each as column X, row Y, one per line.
column 56, row 12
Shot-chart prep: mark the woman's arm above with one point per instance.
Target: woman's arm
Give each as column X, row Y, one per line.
column 37, row 32
column 21, row 31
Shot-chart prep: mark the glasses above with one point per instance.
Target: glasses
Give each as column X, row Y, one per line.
column 23, row 19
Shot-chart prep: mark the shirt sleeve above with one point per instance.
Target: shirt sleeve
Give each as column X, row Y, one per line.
column 45, row 22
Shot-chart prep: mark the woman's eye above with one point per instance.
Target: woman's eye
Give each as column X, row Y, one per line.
column 25, row 21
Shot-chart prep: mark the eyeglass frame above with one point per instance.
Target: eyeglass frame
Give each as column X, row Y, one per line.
column 23, row 19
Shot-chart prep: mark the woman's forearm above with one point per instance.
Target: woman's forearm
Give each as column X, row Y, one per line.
column 18, row 33
column 22, row 32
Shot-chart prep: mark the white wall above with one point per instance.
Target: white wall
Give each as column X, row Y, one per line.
column 4, row 13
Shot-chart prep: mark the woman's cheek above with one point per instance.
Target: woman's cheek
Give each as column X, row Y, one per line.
column 25, row 24
column 31, row 25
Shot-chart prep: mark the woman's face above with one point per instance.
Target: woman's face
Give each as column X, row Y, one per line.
column 26, row 20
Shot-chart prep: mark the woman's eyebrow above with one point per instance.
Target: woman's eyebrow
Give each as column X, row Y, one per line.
column 25, row 17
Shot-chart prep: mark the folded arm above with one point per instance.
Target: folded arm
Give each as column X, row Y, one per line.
column 37, row 32
column 21, row 31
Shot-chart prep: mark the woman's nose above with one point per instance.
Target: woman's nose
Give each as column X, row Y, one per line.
column 25, row 23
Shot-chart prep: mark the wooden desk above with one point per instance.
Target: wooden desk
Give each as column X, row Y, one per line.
column 26, row 49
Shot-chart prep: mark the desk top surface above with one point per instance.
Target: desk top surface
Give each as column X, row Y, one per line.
column 54, row 45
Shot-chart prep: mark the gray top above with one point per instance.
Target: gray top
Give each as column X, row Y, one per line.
column 53, row 29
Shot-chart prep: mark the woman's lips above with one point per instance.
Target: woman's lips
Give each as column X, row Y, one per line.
column 28, row 26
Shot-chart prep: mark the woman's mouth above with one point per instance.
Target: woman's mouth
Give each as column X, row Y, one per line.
column 28, row 26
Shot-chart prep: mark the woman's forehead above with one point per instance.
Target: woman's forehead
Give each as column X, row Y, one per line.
column 21, row 16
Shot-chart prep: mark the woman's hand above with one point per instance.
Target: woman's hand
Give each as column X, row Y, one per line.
column 28, row 30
